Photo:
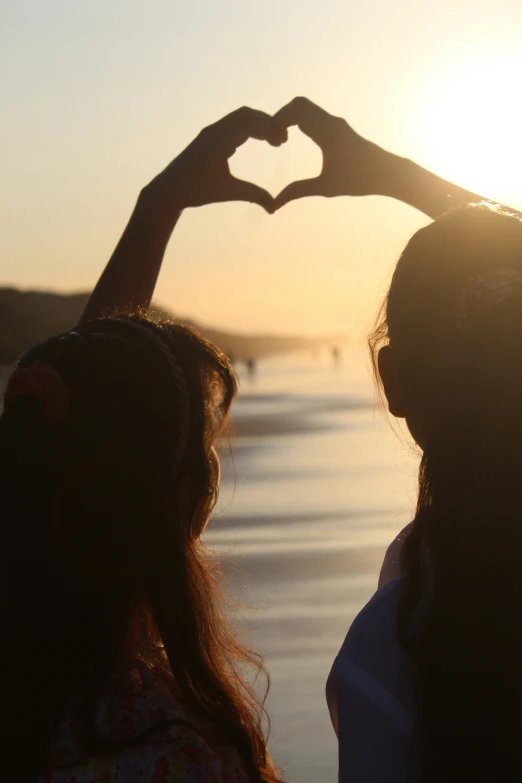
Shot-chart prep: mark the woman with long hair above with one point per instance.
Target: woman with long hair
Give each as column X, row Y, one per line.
column 428, row 684
column 121, row 661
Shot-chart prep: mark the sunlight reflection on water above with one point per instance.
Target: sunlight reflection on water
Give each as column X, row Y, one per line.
column 318, row 487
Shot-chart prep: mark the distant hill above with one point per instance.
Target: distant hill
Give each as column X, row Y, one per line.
column 27, row 317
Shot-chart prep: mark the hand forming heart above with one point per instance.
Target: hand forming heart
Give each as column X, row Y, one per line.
column 351, row 164
column 201, row 173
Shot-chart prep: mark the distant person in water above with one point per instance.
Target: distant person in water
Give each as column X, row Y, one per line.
column 122, row 664
column 428, row 684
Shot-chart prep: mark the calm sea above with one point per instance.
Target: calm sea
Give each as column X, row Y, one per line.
column 318, row 487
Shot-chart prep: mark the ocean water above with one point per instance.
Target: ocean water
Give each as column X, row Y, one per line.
column 318, row 487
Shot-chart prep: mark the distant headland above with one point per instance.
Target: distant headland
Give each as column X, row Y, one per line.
column 27, row 317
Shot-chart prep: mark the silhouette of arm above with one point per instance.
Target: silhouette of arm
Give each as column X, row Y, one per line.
column 199, row 175
column 129, row 279
column 354, row 166
column 408, row 182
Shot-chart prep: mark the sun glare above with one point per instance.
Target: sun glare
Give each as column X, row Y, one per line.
column 474, row 126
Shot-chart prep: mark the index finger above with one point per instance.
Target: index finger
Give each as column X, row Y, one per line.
column 246, row 123
column 308, row 117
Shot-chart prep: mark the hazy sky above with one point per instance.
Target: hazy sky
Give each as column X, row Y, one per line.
column 97, row 96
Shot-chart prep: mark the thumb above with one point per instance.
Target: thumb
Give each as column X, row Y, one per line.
column 241, row 190
column 299, row 189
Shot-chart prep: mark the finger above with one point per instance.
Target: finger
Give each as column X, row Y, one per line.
column 241, row 190
column 246, row 123
column 300, row 189
column 308, row 117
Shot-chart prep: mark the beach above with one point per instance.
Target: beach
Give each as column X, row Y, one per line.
column 318, row 486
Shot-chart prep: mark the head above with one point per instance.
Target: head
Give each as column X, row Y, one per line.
column 417, row 346
column 453, row 370
column 104, row 510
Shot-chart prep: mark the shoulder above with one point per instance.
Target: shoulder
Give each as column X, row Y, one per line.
column 371, row 652
column 371, row 677
column 375, row 625
column 392, row 564
column 177, row 753
column 148, row 734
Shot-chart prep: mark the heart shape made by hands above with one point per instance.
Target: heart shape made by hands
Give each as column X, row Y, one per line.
column 351, row 165
column 272, row 168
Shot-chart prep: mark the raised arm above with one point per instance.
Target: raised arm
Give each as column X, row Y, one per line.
column 199, row 175
column 406, row 181
column 129, row 279
column 354, row 166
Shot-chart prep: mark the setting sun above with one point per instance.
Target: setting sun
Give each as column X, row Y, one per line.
column 475, row 126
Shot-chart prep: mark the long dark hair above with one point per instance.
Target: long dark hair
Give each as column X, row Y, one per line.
column 465, row 549
column 102, row 524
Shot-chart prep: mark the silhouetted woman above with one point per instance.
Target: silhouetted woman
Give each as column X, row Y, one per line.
column 428, row 684
column 121, row 664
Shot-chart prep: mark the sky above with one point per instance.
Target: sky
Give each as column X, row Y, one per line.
column 98, row 96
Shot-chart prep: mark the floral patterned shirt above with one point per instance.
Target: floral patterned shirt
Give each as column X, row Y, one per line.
column 162, row 741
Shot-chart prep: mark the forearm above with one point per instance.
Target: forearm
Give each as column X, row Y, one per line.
column 130, row 276
column 408, row 182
